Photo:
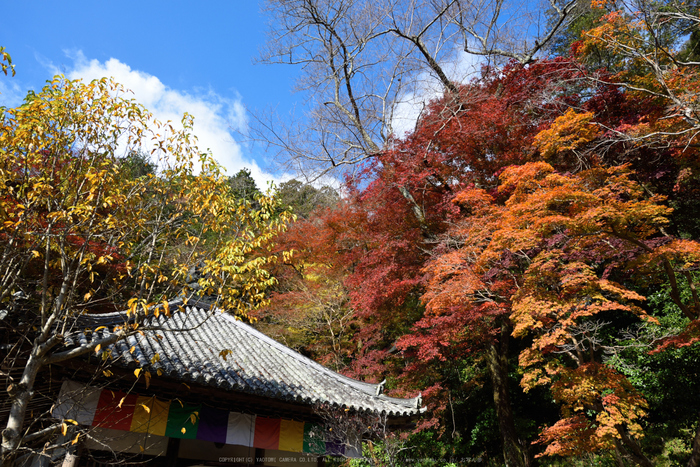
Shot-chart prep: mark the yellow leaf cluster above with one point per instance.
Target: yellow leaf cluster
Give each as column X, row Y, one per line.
column 107, row 238
column 567, row 133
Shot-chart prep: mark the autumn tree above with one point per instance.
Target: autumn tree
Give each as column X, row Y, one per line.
column 404, row 215
column 546, row 258
column 305, row 198
column 647, row 40
column 310, row 307
column 373, row 246
column 605, row 213
column 522, row 115
column 458, row 143
column 83, row 232
column 362, row 60
column 653, row 74
column 654, row 135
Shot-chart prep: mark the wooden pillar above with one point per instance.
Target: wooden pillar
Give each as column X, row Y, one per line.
column 259, row 455
column 172, row 453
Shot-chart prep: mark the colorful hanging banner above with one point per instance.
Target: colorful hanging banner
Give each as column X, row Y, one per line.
column 291, row 436
column 150, row 416
column 240, row 429
column 115, row 410
column 175, row 419
column 213, row 425
column 267, row 433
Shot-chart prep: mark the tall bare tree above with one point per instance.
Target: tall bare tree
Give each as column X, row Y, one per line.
column 362, row 60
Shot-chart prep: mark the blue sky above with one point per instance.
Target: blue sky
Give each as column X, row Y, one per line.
column 176, row 56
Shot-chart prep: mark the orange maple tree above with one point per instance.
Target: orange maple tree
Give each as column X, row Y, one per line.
column 546, row 257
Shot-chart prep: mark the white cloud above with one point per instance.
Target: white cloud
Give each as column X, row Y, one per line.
column 216, row 117
column 11, row 93
column 426, row 88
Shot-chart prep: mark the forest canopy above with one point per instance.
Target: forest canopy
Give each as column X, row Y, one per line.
column 527, row 256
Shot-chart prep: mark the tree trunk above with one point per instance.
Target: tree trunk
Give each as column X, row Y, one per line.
column 20, row 394
column 618, row 454
column 633, row 448
column 515, row 453
column 72, row 456
column 417, row 210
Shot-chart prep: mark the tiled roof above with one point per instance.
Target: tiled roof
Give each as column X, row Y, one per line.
column 189, row 344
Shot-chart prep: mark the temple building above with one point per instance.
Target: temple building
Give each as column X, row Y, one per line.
column 200, row 387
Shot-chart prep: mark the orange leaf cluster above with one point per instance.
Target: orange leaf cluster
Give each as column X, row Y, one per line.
column 592, row 389
column 540, row 255
column 567, row 133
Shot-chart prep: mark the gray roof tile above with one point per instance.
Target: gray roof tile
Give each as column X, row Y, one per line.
column 189, row 348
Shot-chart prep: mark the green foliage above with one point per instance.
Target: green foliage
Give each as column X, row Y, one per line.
column 669, row 380
column 585, row 18
column 137, row 164
column 691, row 49
column 304, row 198
column 243, row 186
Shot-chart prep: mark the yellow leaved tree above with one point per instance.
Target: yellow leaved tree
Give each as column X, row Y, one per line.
column 88, row 225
